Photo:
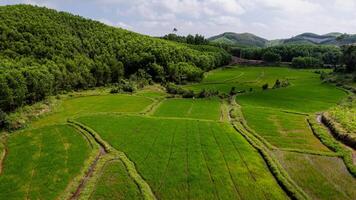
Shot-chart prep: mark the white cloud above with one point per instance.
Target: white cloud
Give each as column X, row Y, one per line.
column 44, row 3
column 116, row 24
column 268, row 18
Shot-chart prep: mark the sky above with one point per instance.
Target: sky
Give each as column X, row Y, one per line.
column 271, row 19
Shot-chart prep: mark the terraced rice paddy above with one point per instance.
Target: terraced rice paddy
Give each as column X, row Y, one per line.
column 41, row 163
column 115, row 183
column 94, row 104
column 180, row 148
column 320, row 176
column 345, row 114
column 183, row 159
column 283, row 130
column 279, row 116
column 190, row 108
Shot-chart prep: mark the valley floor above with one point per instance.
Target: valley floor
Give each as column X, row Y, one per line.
column 261, row 144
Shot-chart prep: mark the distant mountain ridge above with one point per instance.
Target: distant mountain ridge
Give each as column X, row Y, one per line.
column 240, row 39
column 251, row 40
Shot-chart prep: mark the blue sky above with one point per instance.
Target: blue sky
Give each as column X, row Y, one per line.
column 271, row 19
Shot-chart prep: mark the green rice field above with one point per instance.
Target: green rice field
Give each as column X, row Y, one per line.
column 190, row 108
column 115, row 183
column 150, row 145
column 182, row 159
column 42, row 162
column 320, row 176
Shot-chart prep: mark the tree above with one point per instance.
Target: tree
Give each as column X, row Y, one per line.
column 182, row 72
column 307, row 62
column 3, row 119
column 332, row 57
column 16, row 82
column 265, row 86
column 271, row 57
column 6, row 96
column 349, row 58
column 190, row 39
column 56, row 51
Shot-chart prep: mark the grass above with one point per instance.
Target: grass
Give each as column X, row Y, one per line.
column 77, row 106
column 279, row 117
column 183, row 159
column 345, row 114
column 305, row 94
column 328, row 140
column 115, row 183
column 281, row 129
column 320, row 176
column 190, row 108
column 42, row 162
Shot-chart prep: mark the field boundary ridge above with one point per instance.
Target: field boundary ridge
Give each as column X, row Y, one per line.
column 321, row 132
column 144, row 187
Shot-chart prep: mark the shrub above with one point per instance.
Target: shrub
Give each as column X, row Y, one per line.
column 141, row 78
column 114, row 90
column 171, row 88
column 277, row 84
column 233, row 91
column 265, row 86
column 207, row 93
column 307, row 62
column 188, row 94
column 281, row 84
column 123, row 86
column 3, row 119
column 129, row 87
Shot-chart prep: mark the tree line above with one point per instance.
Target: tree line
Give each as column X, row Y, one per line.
column 189, row 39
column 44, row 52
column 311, row 54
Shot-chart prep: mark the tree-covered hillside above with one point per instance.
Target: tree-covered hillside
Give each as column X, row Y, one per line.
column 43, row 52
column 250, row 40
column 239, row 39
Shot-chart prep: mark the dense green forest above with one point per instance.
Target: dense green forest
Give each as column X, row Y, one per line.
column 43, row 52
column 305, row 56
column 328, row 54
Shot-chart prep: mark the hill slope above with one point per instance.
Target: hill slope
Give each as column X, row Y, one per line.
column 240, row 39
column 327, row 39
column 43, row 51
column 250, row 40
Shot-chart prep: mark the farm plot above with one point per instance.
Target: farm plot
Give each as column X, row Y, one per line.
column 305, row 94
column 95, row 104
column 320, row 176
column 115, row 183
column 243, row 78
column 281, row 129
column 42, row 162
column 345, row 114
column 190, row 108
column 188, row 159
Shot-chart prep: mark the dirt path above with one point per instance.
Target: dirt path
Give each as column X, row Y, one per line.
column 2, row 160
column 353, row 151
column 106, row 149
column 88, row 174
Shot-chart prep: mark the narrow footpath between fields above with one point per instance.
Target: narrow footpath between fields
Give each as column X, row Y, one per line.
column 108, row 153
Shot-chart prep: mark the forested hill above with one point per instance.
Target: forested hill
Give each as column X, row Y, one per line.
column 43, row 51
